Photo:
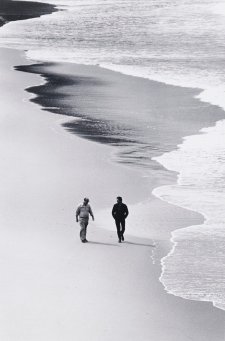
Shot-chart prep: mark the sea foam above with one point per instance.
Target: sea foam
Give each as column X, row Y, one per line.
column 194, row 269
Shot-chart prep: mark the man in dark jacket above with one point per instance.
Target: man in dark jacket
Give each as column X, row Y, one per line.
column 119, row 213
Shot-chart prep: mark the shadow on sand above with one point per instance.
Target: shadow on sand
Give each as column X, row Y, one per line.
column 139, row 244
column 99, row 243
column 125, row 242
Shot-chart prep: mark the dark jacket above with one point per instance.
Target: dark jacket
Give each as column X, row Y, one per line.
column 120, row 211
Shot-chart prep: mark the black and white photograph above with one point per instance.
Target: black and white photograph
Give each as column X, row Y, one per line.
column 112, row 170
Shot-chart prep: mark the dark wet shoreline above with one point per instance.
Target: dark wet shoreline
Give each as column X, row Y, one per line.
column 111, row 108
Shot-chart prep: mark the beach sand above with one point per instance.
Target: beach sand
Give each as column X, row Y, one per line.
column 54, row 287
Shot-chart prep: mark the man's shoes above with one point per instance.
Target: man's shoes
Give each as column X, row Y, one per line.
column 122, row 237
column 84, row 241
column 119, row 241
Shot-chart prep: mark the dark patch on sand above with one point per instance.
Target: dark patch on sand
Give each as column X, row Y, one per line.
column 53, row 97
column 150, row 118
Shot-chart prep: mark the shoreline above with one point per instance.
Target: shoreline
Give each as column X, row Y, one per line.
column 30, row 231
column 194, row 217
column 169, row 246
column 156, row 311
column 63, row 79
column 196, row 235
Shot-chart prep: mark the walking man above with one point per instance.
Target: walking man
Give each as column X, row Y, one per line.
column 120, row 213
column 82, row 213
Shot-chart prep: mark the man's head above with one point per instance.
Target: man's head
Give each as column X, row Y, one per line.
column 86, row 201
column 119, row 199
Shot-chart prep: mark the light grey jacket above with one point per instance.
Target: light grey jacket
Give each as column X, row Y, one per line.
column 83, row 211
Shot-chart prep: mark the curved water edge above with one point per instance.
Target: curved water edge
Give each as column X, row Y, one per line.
column 165, row 277
column 164, row 196
column 194, row 268
column 201, row 293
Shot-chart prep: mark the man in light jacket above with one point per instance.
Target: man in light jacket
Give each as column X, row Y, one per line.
column 83, row 211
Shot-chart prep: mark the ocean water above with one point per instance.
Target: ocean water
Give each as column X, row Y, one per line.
column 174, row 42
column 194, row 267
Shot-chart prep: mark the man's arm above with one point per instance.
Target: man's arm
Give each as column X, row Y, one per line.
column 114, row 211
column 126, row 212
column 91, row 213
column 77, row 213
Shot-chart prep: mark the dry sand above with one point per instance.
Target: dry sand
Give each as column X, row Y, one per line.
column 52, row 286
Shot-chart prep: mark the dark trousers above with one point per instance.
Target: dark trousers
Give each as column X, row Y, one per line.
column 83, row 228
column 120, row 225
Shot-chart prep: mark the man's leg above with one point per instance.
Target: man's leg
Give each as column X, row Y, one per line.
column 83, row 229
column 118, row 229
column 123, row 228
